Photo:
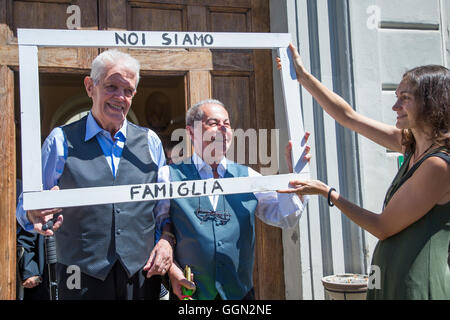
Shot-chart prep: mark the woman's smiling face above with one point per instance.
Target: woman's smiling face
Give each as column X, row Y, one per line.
column 407, row 106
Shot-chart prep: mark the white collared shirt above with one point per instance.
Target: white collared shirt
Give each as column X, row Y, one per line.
column 276, row 209
column 205, row 172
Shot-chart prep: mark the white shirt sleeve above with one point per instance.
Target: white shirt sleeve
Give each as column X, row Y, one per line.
column 278, row 209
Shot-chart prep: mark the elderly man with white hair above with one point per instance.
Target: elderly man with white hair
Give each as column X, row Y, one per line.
column 113, row 244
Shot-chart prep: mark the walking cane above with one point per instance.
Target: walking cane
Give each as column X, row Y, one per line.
column 50, row 255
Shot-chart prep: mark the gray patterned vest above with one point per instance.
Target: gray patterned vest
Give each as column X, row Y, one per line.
column 94, row 237
column 221, row 256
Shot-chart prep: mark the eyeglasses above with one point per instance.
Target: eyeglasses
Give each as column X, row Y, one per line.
column 220, row 217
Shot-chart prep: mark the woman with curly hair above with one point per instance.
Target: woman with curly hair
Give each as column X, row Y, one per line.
column 414, row 226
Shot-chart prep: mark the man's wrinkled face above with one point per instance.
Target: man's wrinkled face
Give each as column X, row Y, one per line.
column 112, row 96
column 216, row 133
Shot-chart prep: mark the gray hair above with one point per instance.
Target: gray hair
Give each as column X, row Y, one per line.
column 113, row 56
column 195, row 113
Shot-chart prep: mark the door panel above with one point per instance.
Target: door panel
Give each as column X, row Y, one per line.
column 49, row 14
column 165, row 18
column 231, row 20
column 225, row 86
column 224, row 3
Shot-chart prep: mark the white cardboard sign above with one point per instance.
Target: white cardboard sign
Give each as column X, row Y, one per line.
column 29, row 40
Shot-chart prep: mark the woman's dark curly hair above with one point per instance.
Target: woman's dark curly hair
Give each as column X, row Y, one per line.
column 431, row 86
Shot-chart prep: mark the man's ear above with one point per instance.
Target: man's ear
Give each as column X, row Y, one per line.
column 190, row 131
column 89, row 85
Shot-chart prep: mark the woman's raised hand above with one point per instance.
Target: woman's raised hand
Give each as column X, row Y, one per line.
column 298, row 63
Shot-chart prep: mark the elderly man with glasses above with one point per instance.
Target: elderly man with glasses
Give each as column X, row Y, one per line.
column 215, row 235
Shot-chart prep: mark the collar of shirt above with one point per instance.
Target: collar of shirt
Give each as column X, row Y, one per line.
column 205, row 169
column 92, row 129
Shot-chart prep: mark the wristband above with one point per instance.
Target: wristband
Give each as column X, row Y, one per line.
column 329, row 197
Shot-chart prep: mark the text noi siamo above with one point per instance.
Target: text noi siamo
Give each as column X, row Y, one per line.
column 167, row 39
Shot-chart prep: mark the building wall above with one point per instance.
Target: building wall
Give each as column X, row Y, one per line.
column 360, row 49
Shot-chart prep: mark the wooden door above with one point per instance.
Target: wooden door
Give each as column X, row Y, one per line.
column 7, row 186
column 27, row 14
column 241, row 79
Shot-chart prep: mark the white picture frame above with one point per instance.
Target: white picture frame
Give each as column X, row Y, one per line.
column 30, row 40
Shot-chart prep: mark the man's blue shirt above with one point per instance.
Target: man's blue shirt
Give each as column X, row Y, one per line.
column 54, row 156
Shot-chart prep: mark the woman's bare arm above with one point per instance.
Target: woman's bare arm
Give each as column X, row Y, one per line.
column 428, row 186
column 383, row 134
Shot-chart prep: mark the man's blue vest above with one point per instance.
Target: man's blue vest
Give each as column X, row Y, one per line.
column 221, row 256
column 94, row 237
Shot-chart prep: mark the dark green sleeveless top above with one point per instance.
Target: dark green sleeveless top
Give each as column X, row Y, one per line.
column 413, row 264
